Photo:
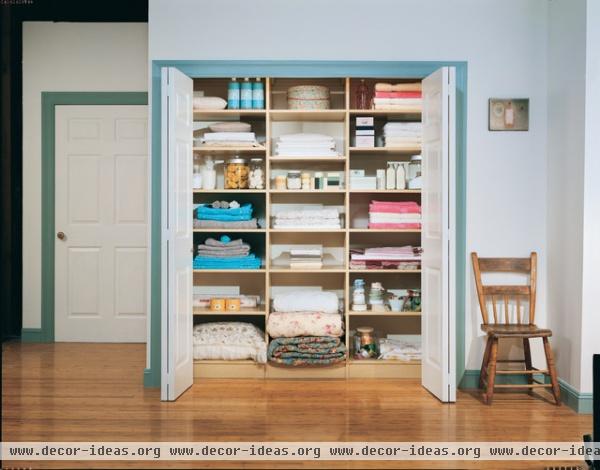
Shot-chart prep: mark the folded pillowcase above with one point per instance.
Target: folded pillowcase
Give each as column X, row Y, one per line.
column 230, row 127
column 209, row 102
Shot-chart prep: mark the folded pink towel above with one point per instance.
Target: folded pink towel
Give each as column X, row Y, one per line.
column 400, row 207
column 388, row 226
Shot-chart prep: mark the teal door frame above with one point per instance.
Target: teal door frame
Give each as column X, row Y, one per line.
column 50, row 100
column 285, row 68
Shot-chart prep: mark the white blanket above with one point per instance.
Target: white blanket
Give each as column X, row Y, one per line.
column 306, row 301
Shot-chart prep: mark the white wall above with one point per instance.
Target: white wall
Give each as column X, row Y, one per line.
column 504, row 42
column 67, row 57
column 566, row 109
column 591, row 197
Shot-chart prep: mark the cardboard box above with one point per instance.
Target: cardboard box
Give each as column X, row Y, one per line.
column 365, row 121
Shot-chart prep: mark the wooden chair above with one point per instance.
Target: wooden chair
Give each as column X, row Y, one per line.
column 515, row 323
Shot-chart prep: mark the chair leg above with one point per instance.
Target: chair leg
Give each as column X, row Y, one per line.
column 484, row 362
column 528, row 366
column 491, row 376
column 552, row 370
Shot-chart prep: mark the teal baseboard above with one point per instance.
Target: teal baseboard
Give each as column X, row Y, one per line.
column 151, row 379
column 579, row 402
column 32, row 335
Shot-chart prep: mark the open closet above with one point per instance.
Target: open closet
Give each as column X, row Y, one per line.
column 264, row 206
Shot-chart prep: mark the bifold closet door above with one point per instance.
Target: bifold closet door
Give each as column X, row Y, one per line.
column 438, row 208
column 177, row 364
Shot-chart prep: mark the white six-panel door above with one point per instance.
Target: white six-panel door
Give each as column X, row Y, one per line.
column 437, row 238
column 176, row 320
column 101, row 222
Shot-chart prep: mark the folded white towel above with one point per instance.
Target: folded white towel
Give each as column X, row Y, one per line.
column 330, row 213
column 227, row 136
column 402, row 125
column 389, row 218
column 306, row 301
column 305, row 137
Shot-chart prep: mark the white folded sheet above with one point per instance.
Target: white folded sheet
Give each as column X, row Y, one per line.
column 330, row 213
column 306, row 301
column 228, row 136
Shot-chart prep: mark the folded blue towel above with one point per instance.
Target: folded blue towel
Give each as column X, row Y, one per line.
column 242, row 262
column 207, row 212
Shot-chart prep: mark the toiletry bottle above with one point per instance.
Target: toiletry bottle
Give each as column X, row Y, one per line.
column 197, row 178
column 246, row 94
column 401, row 176
column 381, row 179
column 258, row 95
column 390, row 177
column 233, row 94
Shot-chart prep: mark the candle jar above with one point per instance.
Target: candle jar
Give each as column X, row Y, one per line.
column 365, row 343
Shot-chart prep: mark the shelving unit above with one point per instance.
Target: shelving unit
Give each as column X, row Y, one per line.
column 276, row 120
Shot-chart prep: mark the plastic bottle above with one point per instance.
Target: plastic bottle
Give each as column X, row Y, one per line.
column 258, row 95
column 401, row 176
column 390, row 177
column 197, row 178
column 233, row 94
column 246, row 94
column 209, row 174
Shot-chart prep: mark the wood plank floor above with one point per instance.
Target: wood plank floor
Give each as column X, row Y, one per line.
column 86, row 392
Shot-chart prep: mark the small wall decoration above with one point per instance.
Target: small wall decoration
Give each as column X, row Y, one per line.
column 509, row 114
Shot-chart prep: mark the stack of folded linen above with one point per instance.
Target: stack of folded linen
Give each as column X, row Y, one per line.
column 389, row 257
column 227, row 215
column 391, row 215
column 305, row 145
column 229, row 341
column 229, row 139
column 225, row 253
column 306, row 258
column 306, row 327
column 400, row 347
column 397, row 97
column 307, row 219
column 402, row 134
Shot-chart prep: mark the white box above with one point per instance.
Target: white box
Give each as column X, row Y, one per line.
column 363, row 182
column 365, row 141
column 365, row 121
column 365, row 131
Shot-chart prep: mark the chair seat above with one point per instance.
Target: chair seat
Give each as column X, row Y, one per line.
column 499, row 329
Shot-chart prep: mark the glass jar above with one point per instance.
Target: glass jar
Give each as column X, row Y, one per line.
column 294, row 180
column 365, row 343
column 414, row 167
column 305, row 181
column 280, row 182
column 256, row 178
column 236, row 173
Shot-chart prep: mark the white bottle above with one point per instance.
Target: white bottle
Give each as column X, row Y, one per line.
column 197, row 178
column 401, row 176
column 390, row 177
column 380, row 179
column 209, row 174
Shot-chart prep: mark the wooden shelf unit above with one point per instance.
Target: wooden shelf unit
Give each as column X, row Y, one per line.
column 341, row 274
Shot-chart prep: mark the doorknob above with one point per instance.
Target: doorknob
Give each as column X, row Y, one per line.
column 60, row 235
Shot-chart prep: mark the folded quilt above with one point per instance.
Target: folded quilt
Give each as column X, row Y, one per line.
column 229, row 341
column 403, row 265
column 288, row 325
column 416, row 86
column 306, row 351
column 226, row 224
column 306, row 301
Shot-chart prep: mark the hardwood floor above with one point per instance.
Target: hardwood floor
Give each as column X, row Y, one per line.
column 86, row 392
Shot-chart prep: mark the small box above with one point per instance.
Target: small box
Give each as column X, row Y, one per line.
column 333, row 180
column 365, row 121
column 365, row 131
column 365, row 141
column 357, row 173
column 364, row 182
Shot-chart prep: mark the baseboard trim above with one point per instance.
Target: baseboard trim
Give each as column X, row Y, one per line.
column 579, row 402
column 151, row 379
column 32, row 335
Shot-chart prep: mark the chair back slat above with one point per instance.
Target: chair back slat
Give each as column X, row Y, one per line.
column 512, row 296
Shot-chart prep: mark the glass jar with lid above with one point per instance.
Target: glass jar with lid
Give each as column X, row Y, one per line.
column 236, row 173
column 256, row 178
column 414, row 167
column 294, row 180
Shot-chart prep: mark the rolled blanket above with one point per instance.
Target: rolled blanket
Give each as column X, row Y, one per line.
column 234, row 224
column 306, row 301
column 306, row 351
column 305, row 324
